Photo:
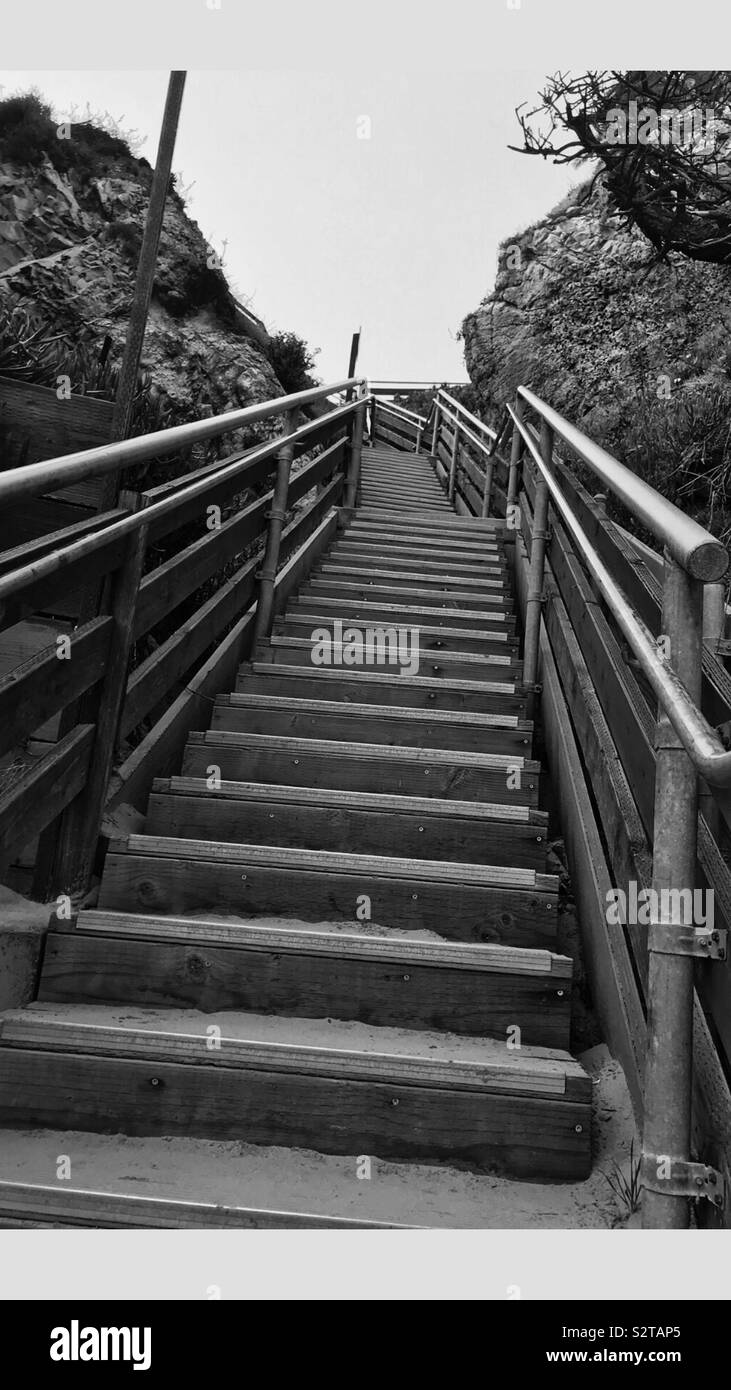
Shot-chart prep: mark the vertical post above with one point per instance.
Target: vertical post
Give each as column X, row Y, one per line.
column 453, row 464
column 670, row 977
column 352, row 362
column 355, row 451
column 127, row 385
column 534, row 602
column 435, row 431
column 419, row 432
column 277, row 513
column 714, row 627
column 80, row 823
column 516, row 456
column 487, row 490
column 373, row 422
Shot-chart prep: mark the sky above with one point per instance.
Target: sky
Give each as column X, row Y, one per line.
column 373, row 200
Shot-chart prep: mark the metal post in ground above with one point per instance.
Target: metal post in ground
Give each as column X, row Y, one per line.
column 277, row 513
column 453, row 464
column 666, row 1134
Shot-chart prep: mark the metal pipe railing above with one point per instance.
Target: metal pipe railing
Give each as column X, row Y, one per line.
column 35, row 478
column 14, row 581
column 698, row 737
column 694, row 548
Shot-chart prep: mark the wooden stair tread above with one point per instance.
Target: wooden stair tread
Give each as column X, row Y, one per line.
column 385, row 677
column 333, row 1048
column 336, row 863
column 334, row 749
column 476, row 720
column 37, row 1204
column 371, row 801
column 400, row 948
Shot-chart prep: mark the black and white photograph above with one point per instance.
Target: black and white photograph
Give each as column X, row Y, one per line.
column 365, row 669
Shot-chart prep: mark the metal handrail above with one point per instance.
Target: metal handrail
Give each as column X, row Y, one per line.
column 693, row 547
column 479, row 424
column 14, row 581
column 699, row 738
column 34, row 478
column 464, row 430
column 392, row 409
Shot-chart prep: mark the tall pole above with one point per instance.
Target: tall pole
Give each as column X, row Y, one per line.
column 668, row 1078
column 124, row 403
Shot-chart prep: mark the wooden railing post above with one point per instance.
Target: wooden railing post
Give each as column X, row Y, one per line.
column 277, row 513
column 453, row 464
column 373, row 421
column 355, row 453
column 419, row 433
column 81, row 822
column 667, row 1114
column 534, row 602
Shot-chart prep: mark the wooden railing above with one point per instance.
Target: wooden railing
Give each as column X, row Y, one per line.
column 183, row 617
column 632, row 688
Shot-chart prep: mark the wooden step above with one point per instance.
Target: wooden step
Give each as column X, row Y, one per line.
column 415, row 827
column 381, row 558
column 453, row 525
column 414, row 592
column 491, row 578
column 494, row 620
column 368, row 767
column 298, row 651
column 391, row 981
column 418, row 692
column 369, row 723
column 414, row 543
column 36, row 1205
column 464, row 902
column 432, row 638
column 526, row 1113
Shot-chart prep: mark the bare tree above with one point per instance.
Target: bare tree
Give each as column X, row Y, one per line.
column 663, row 145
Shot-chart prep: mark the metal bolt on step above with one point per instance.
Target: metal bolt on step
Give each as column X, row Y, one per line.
column 560, row 993
column 394, row 1100
column 415, row 897
column 406, row 977
column 579, row 1129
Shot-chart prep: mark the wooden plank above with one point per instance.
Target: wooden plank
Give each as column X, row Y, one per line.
column 334, row 819
column 413, row 592
column 432, row 637
column 366, row 723
column 313, row 975
column 151, row 682
column 34, row 1205
column 43, row 790
column 364, row 767
column 418, row 692
column 54, row 427
column 495, row 622
column 160, row 750
column 38, row 688
column 237, row 882
column 495, row 1131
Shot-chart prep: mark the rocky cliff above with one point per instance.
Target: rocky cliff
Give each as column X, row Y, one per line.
column 72, row 209
column 634, row 349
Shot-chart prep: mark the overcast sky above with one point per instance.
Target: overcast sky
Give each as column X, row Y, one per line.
column 326, row 231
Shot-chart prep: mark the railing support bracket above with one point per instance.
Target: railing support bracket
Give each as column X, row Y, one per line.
column 703, row 943
column 679, row 1177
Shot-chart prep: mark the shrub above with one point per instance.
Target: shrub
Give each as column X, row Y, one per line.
column 292, row 361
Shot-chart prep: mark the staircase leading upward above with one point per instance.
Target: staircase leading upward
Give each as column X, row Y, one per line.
column 337, row 930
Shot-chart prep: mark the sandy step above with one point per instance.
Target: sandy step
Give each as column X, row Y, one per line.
column 336, row 1087
column 463, row 902
column 385, row 979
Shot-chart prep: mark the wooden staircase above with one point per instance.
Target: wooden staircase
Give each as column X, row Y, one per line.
column 337, row 930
